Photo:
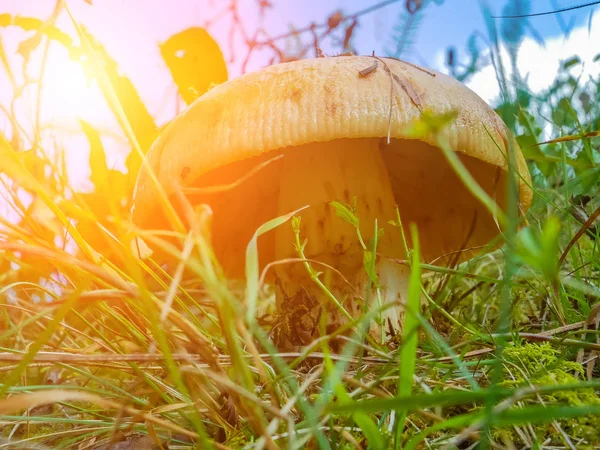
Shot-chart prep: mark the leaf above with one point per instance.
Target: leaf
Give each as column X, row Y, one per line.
column 561, row 115
column 573, row 61
column 26, row 47
column 345, row 213
column 195, row 61
column 97, row 158
column 109, row 199
column 12, row 164
column 29, row 45
column 528, row 142
column 430, row 123
column 34, row 24
column 540, row 250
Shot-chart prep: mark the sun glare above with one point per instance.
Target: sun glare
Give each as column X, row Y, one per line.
column 68, row 93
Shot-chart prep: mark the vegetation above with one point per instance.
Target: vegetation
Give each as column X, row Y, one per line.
column 101, row 345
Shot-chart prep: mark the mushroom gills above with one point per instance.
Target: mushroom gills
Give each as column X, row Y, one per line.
column 352, row 172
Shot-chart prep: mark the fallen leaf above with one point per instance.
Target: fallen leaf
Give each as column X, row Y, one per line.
column 195, row 61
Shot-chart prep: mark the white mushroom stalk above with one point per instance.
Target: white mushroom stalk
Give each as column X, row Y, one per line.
column 347, row 171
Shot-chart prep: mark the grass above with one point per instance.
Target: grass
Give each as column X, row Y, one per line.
column 501, row 354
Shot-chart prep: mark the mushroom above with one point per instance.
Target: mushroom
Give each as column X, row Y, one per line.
column 335, row 129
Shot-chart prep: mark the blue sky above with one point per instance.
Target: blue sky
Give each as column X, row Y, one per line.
column 452, row 22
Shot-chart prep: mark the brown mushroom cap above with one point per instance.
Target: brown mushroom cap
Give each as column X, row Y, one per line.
column 252, row 118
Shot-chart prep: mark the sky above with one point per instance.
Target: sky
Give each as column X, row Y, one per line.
column 131, row 31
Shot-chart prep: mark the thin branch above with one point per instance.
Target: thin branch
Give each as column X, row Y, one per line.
column 313, row 26
column 546, row 13
column 588, row 223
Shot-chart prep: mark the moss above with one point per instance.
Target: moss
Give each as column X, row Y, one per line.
column 540, row 358
column 541, row 364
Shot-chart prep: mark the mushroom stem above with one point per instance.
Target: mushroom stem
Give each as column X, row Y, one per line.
column 346, row 171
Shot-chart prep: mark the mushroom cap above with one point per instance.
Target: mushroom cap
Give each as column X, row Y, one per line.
column 325, row 99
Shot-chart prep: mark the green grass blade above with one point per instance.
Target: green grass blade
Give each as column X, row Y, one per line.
column 408, row 352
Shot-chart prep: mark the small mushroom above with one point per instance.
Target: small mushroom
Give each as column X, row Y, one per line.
column 319, row 129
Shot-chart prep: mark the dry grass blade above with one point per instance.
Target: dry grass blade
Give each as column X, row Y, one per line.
column 287, row 408
column 227, row 187
column 571, row 137
column 27, row 401
column 593, row 318
column 59, row 357
column 66, row 259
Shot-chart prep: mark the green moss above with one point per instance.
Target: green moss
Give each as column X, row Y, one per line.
column 541, row 364
column 538, row 359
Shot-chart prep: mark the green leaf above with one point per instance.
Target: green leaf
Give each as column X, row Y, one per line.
column 561, row 114
column 195, row 61
column 573, row 61
column 540, row 249
column 550, row 239
column 430, row 123
column 345, row 213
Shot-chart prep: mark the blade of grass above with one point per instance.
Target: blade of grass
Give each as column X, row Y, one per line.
column 12, row 165
column 252, row 267
column 455, row 397
column 14, row 376
column 408, row 352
